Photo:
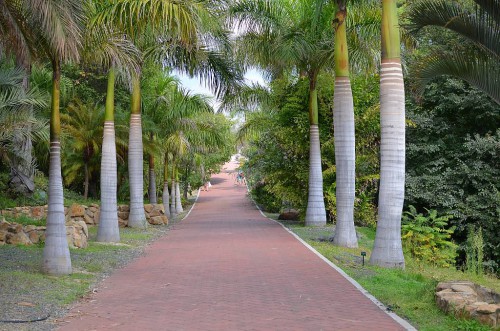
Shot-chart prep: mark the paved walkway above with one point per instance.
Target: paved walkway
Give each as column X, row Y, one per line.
column 226, row 267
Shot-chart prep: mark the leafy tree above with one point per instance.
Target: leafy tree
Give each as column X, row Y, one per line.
column 81, row 124
column 453, row 163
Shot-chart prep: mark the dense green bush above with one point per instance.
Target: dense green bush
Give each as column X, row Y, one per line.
column 428, row 237
column 453, row 161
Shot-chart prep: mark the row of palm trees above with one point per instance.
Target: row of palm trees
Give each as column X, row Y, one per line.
column 296, row 36
column 120, row 37
column 304, row 37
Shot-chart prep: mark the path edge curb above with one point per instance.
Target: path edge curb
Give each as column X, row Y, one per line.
column 192, row 207
column 401, row 321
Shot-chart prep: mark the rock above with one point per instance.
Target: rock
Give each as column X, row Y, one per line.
column 123, row 215
column 4, row 225
column 19, row 238
column 291, row 215
column 84, row 228
column 488, row 309
column 3, row 235
column 464, row 288
column 148, row 208
column 88, row 219
column 158, row 220
column 122, row 223
column 38, row 212
column 34, row 237
column 77, row 210
column 15, row 228
column 124, row 208
column 90, row 213
column 76, row 235
column 155, row 212
column 97, row 214
column 466, row 299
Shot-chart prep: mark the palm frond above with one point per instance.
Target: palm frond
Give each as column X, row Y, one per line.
column 483, row 73
column 476, row 26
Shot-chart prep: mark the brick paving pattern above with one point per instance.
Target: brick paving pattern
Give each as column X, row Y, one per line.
column 226, row 267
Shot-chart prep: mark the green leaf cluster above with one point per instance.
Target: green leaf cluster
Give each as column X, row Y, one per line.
column 428, row 237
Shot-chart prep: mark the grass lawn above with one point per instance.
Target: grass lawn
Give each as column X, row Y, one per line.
column 409, row 292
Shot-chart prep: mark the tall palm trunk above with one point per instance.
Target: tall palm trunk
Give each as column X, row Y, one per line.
column 56, row 257
column 165, row 196
column 137, row 217
column 108, row 230
column 178, row 202
column 315, row 213
column 343, row 121
column 173, row 209
column 152, row 176
column 387, row 249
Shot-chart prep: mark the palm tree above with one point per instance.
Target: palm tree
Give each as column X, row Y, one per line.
column 292, row 34
column 177, row 36
column 387, row 249
column 159, row 91
column 479, row 25
column 81, row 123
column 54, row 29
column 106, row 47
column 15, row 117
column 343, row 120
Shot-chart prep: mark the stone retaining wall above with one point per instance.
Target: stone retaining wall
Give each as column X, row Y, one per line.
column 78, row 217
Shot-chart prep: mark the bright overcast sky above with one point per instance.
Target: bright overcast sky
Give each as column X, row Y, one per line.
column 193, row 84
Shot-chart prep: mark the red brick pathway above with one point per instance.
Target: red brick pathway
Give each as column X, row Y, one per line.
column 226, row 267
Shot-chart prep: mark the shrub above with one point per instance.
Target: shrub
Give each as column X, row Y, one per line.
column 427, row 237
column 474, row 247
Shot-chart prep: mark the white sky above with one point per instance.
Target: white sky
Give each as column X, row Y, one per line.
column 193, row 84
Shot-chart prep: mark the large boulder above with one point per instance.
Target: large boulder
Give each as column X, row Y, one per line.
column 77, row 234
column 466, row 299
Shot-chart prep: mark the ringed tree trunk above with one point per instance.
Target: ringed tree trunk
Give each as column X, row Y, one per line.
column 56, row 257
column 137, row 217
column 152, row 176
column 343, row 121
column 315, row 212
column 108, row 230
column 165, row 196
column 178, row 203
column 173, row 209
column 387, row 249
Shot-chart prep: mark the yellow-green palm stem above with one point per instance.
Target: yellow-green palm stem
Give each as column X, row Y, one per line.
column 109, row 114
column 340, row 48
column 55, row 118
column 136, row 96
column 165, row 169
column 391, row 48
column 313, row 101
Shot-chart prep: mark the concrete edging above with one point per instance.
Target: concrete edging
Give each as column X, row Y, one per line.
column 192, row 207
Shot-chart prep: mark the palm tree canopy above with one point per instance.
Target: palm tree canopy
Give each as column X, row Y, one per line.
column 479, row 25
